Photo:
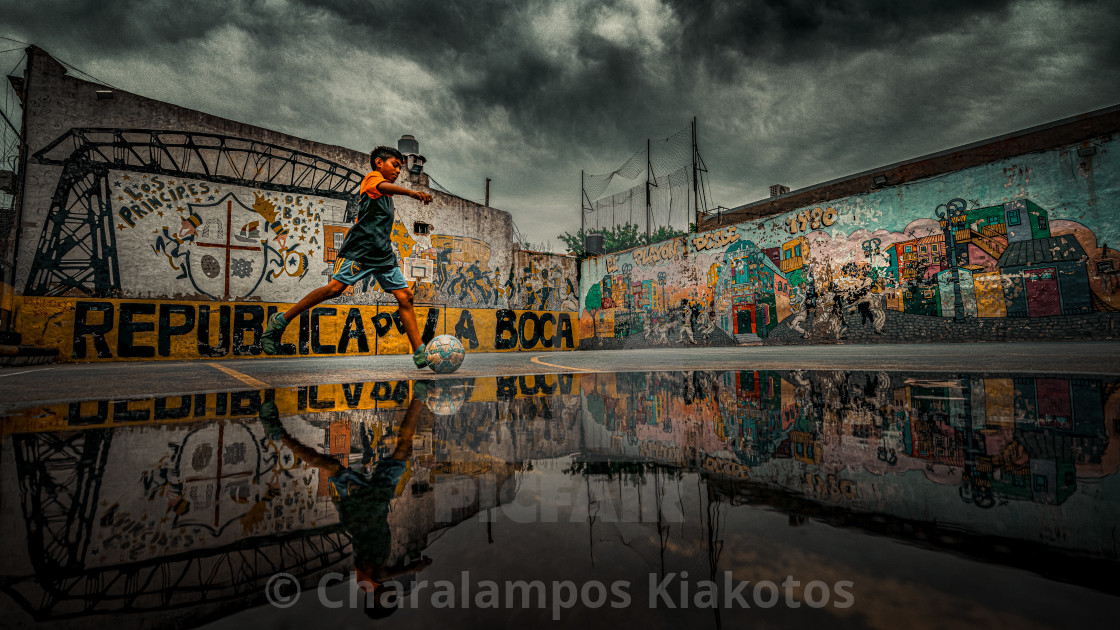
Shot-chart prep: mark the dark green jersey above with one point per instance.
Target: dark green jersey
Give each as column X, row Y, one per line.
column 365, row 515
column 368, row 241
column 363, row 508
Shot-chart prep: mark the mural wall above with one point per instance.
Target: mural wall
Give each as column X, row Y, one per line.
column 132, row 199
column 1017, row 249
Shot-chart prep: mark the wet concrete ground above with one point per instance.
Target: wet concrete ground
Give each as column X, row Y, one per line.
column 50, row 384
column 702, row 498
column 964, row 485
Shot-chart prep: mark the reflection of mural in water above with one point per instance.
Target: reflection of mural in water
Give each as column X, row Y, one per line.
column 183, row 514
column 890, row 272
column 186, row 502
column 997, row 440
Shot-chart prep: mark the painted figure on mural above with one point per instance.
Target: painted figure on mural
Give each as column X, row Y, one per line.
column 366, row 252
column 363, row 498
column 662, row 333
column 545, row 291
column 685, row 320
column 443, row 262
column 510, row 289
column 705, row 323
column 496, row 284
column 796, row 302
column 472, row 278
column 454, row 282
column 571, row 297
column 831, row 315
column 869, row 303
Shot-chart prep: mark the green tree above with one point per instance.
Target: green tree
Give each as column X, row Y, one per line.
column 594, row 298
column 620, row 238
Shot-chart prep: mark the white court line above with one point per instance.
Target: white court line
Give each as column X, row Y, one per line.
column 27, row 372
column 244, row 378
column 538, row 361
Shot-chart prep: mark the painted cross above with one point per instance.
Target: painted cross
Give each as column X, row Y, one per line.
column 228, row 263
column 217, row 466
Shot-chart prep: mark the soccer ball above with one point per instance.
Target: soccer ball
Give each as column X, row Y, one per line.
column 446, row 396
column 445, row 354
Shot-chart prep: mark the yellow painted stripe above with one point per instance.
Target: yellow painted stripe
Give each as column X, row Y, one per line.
column 538, row 361
column 244, row 378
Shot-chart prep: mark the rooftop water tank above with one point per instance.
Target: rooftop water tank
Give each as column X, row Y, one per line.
column 408, row 144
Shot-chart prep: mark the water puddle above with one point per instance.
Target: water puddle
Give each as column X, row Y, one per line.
column 713, row 499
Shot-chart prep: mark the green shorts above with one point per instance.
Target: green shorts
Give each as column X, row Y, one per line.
column 349, row 272
column 385, row 475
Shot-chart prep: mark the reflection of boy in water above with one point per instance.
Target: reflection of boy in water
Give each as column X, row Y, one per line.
column 362, row 500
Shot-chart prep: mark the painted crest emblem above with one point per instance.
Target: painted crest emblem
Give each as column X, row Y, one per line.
column 228, row 257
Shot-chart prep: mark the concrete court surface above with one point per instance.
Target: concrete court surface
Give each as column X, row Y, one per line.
column 31, row 385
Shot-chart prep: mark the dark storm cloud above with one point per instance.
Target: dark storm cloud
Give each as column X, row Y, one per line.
column 119, row 25
column 488, row 55
column 725, row 32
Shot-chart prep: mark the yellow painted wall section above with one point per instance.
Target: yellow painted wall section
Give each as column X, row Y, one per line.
column 7, row 296
column 312, row 399
column 989, row 294
column 127, row 330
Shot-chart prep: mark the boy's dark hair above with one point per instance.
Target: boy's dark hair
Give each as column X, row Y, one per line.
column 384, row 153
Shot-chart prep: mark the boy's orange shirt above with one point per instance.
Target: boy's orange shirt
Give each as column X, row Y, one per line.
column 370, row 183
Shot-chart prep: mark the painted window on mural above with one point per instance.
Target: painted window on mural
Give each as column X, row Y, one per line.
column 909, row 249
column 1013, row 217
column 1042, row 222
column 1040, row 483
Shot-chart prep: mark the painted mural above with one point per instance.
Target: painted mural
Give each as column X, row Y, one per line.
column 142, row 200
column 236, row 247
column 1029, row 250
column 220, row 243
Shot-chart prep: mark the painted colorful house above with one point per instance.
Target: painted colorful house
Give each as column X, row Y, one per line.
column 1046, row 276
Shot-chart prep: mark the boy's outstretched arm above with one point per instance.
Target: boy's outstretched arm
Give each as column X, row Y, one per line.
column 385, row 188
column 270, row 418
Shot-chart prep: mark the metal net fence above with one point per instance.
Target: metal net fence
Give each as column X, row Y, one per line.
column 12, row 58
column 657, row 189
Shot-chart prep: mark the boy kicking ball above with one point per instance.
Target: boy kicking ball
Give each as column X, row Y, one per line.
column 366, row 251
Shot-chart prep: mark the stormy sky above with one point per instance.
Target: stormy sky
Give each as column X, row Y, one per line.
column 530, row 92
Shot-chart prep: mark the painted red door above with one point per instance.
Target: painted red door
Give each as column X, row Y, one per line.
column 1054, row 405
column 1042, row 292
column 742, row 318
column 754, row 319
